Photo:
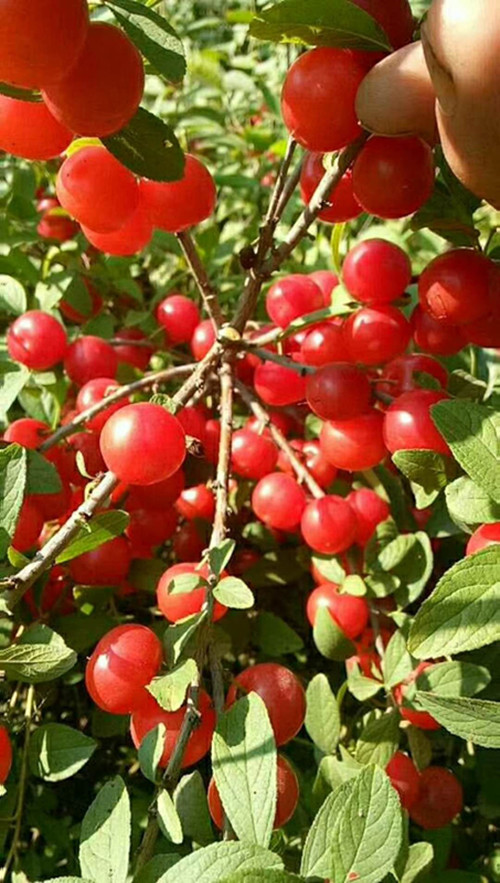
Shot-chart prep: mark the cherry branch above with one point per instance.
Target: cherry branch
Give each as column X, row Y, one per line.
column 289, row 188
column 273, row 213
column 284, row 361
column 205, row 287
column 224, row 458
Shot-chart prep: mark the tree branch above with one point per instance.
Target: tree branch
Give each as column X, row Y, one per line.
column 224, row 458
column 205, row 287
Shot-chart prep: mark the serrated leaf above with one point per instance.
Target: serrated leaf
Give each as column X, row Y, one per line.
column 454, row 679
column 177, row 638
column 13, row 299
column 463, row 611
column 274, row 636
column 170, row 690
column 214, row 862
column 233, row 592
column 105, row 835
column 13, row 479
column 261, row 877
column 190, row 798
column 317, row 853
column 220, row 556
column 322, row 715
column 475, row 720
column 330, row 639
column 396, row 664
column 379, row 739
column 428, row 470
column 103, row 527
column 43, row 477
column 153, row 36
column 244, row 764
column 367, row 833
column 471, row 431
column 151, row 750
column 420, row 856
column 148, row 147
column 317, row 23
column 469, row 504
column 40, row 655
column 168, row 819
column 57, row 752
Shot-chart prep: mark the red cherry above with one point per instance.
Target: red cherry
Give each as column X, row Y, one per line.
column 355, row 444
column 212, row 440
column 28, row 528
column 87, row 444
column 104, row 88
column 37, row 340
column 438, row 338
column 94, row 307
column 150, row 714
column 484, row 332
column 52, row 506
column 203, row 339
column 281, row 692
column 440, row 799
column 287, row 796
column 408, row 423
column 292, row 297
column 179, row 316
column 178, row 205
column 158, row 496
column 196, row 502
column 455, row 287
column 108, row 565
column 343, row 204
column 179, row 606
column 284, row 422
column 327, row 281
column 401, row 375
column 349, row 613
column 143, row 444
column 89, row 358
column 5, row 754
column 279, row 501
column 375, row 335
column 376, row 271
column 328, row 525
column 252, row 455
column 188, row 543
column 486, row 535
column 122, row 664
column 421, row 719
column 311, row 455
column 395, row 16
column 137, row 356
column 92, row 393
column 27, row 432
column 370, row 511
column 278, row 385
column 405, row 778
column 130, row 239
column 97, row 190
column 40, row 42
column 393, row 177
column 193, row 422
column 55, row 226
column 338, row 392
column 28, row 130
column 324, row 344
column 147, row 529
column 310, row 91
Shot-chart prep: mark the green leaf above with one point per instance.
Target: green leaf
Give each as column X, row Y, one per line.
column 463, row 611
column 261, row 877
column 317, row 853
column 43, row 477
column 190, row 798
column 153, row 36
column 275, row 568
column 317, row 23
column 428, row 470
column 274, row 636
column 154, row 870
column 409, row 557
column 177, row 638
column 475, row 720
column 233, row 592
column 105, row 835
column 361, row 687
column 420, row 856
column 244, row 766
column 471, row 431
column 57, row 752
column 420, row 747
column 148, row 147
column 379, row 738
column 20, row 94
column 454, row 679
column 330, row 639
column 367, row 833
column 396, row 664
column 40, row 655
column 322, row 716
column 168, row 819
column 185, row 583
column 66, row 880
column 151, row 750
column 170, row 690
column 469, row 504
column 215, row 862
column 329, row 568
column 12, row 381
column 220, row 556
column 103, row 527
column 12, row 296
column 13, row 478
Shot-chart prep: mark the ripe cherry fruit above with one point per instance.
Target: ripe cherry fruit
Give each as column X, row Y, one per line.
column 28, row 130
column 179, row 316
column 350, row 613
column 89, row 358
column 393, row 177
column 278, row 385
column 93, row 393
column 310, row 91
column 125, row 660
column 175, row 206
column 196, row 502
column 401, row 375
column 343, row 205
column 370, row 511
column 455, row 287
column 327, row 281
column 204, row 337
column 484, row 536
column 149, row 714
column 126, row 351
column 281, row 692
column 403, row 693
column 108, row 565
column 5, row 754
column 37, row 340
column 292, row 297
column 158, row 496
column 147, row 529
column 375, row 335
column 395, row 16
column 338, row 392
column 405, row 778
column 438, row 338
column 440, row 799
column 252, row 455
column 328, row 525
column 143, row 444
column 287, row 796
column 179, row 605
column 279, row 501
column 27, row 432
column 408, row 423
column 29, row 526
column 325, row 343
column 355, row 444
column 129, row 239
column 376, row 271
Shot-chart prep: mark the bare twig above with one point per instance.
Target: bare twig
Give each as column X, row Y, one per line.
column 284, row 361
column 289, row 189
column 272, row 212
column 23, row 779
column 205, row 287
